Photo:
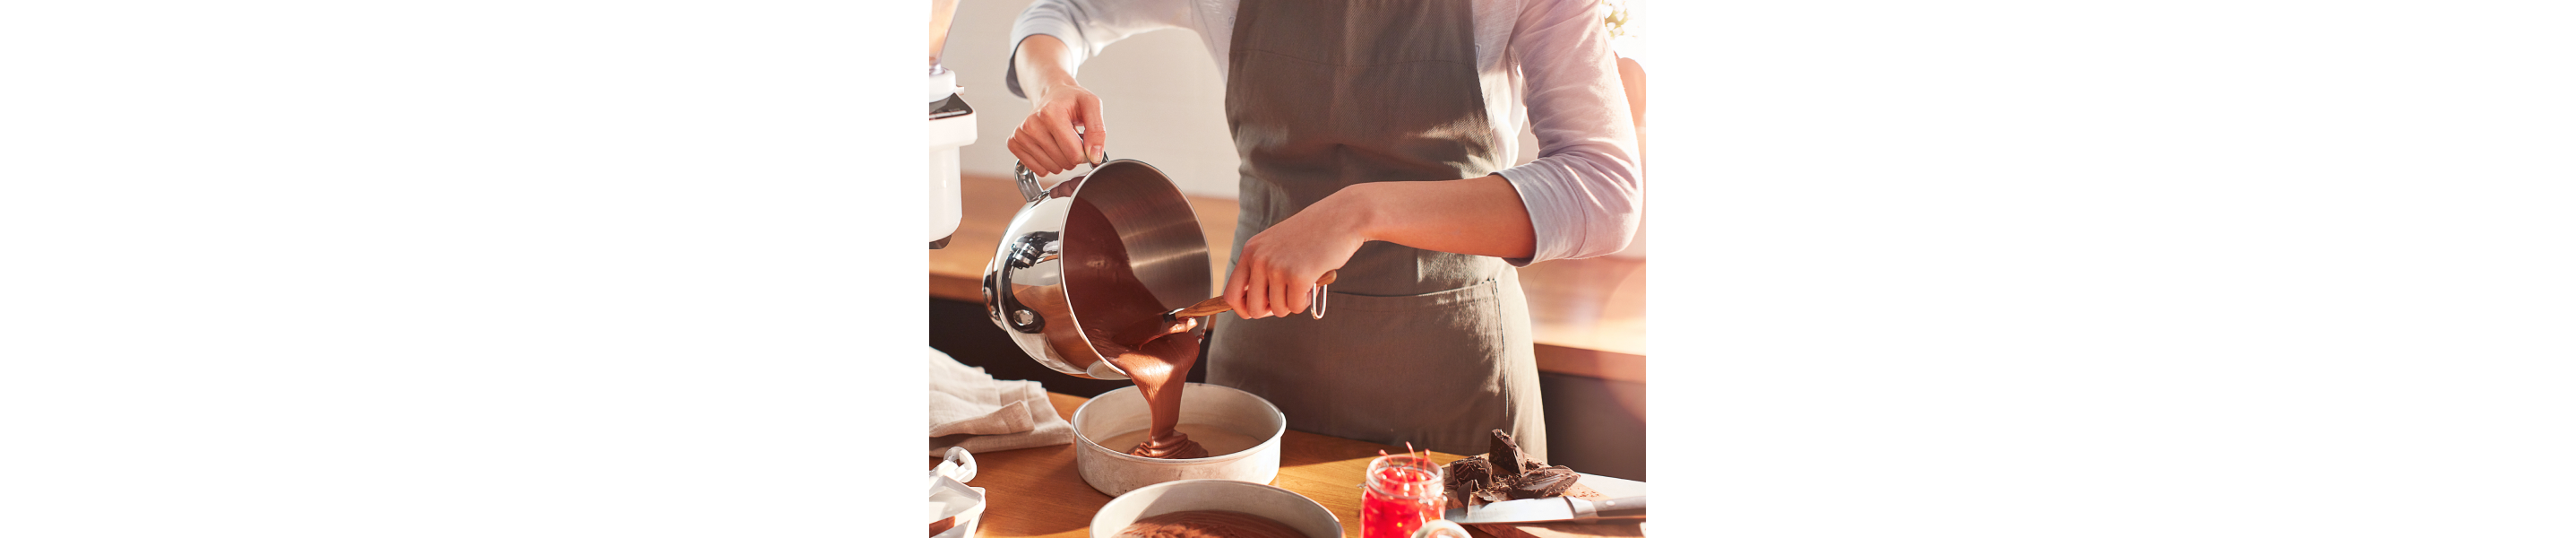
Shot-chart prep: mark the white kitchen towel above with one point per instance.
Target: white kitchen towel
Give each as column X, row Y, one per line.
column 969, row 408
column 1051, row 429
column 966, row 400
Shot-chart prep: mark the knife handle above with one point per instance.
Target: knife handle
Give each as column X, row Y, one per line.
column 1620, row 508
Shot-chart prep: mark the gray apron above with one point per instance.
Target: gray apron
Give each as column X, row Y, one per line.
column 1431, row 348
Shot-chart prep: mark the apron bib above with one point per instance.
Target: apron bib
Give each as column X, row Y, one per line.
column 1418, row 346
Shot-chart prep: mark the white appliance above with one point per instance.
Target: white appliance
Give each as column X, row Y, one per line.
column 952, row 125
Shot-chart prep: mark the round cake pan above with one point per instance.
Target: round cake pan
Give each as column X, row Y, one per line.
column 1112, row 471
column 1286, row 507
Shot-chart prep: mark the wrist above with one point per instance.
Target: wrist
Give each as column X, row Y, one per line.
column 1358, row 211
column 1057, row 84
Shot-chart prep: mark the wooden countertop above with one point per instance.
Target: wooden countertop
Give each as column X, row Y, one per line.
column 1037, row 492
column 1588, row 316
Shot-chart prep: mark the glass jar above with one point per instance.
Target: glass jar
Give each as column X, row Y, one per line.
column 1402, row 492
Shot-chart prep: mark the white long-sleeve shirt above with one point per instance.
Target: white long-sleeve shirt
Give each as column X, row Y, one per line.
column 1584, row 190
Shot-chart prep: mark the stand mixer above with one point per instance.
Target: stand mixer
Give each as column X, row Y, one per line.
column 952, row 125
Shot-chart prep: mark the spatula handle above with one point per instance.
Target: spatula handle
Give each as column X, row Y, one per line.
column 1217, row 305
column 1213, row 305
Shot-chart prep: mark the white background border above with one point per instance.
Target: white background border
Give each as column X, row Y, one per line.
column 608, row 268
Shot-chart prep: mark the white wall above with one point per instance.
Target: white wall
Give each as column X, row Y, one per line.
column 1160, row 90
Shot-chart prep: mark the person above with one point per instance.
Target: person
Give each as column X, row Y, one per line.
column 1376, row 138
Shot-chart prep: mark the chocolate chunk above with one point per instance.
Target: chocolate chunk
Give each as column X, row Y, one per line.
column 1507, row 456
column 1467, row 475
column 1547, row 482
column 1507, row 473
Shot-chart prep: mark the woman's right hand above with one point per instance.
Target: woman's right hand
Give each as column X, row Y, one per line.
column 1047, row 143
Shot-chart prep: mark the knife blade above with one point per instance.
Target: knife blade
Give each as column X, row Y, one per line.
column 1549, row 509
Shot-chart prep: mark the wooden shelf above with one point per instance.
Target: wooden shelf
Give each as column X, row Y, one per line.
column 1587, row 316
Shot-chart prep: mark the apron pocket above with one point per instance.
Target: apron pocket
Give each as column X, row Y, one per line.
column 1480, row 291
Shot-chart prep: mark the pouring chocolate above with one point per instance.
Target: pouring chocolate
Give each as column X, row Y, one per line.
column 1108, row 291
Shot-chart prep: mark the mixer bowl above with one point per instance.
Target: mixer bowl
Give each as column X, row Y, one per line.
column 1112, row 471
column 1024, row 285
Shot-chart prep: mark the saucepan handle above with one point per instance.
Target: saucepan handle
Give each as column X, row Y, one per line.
column 1029, row 189
column 1029, row 250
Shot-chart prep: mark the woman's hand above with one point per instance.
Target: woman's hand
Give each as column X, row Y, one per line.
column 1276, row 272
column 1046, row 142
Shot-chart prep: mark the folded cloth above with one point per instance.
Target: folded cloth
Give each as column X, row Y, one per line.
column 970, row 409
column 966, row 400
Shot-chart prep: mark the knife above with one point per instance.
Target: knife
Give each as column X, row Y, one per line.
column 1550, row 509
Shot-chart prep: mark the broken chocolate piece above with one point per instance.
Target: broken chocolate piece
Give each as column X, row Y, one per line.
column 1542, row 483
column 1506, row 474
column 1506, row 455
column 1467, row 475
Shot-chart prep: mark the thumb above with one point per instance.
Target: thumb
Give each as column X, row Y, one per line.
column 1095, row 131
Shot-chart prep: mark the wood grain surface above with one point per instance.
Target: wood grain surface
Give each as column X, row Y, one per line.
column 1037, row 492
column 1588, row 316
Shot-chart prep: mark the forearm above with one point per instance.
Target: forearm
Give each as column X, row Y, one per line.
column 1585, row 191
column 1480, row 216
column 1079, row 29
column 1042, row 62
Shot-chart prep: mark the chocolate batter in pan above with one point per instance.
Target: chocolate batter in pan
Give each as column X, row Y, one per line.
column 1207, row 524
column 1123, row 321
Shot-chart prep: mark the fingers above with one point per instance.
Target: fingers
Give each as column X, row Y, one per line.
column 1060, row 138
column 1095, row 131
column 1046, row 142
column 1235, row 282
column 1277, row 286
column 1031, row 147
column 1029, row 157
column 1295, row 293
column 1256, row 293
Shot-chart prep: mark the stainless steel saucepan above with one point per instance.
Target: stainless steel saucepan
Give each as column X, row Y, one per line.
column 1024, row 285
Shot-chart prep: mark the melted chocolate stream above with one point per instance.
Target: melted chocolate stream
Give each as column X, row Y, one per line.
column 1105, row 291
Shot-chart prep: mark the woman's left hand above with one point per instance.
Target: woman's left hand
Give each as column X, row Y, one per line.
column 1276, row 272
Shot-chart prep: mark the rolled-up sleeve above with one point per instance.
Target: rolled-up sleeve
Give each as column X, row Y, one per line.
column 1585, row 190
column 1087, row 26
